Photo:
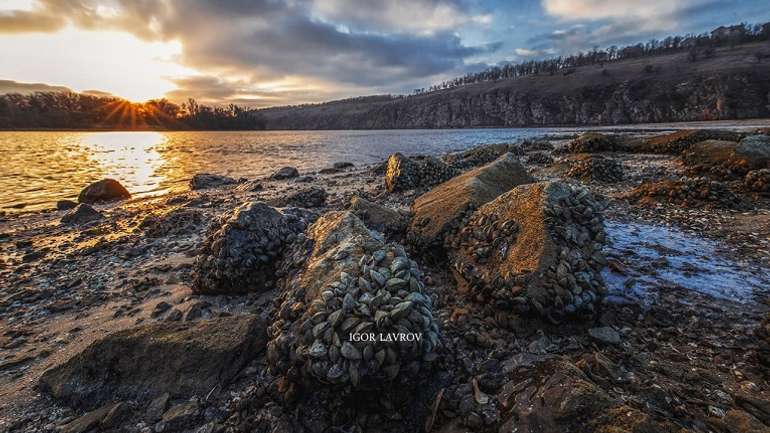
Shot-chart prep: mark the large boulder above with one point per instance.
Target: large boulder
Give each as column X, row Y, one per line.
column 240, row 255
column 443, row 208
column 104, row 190
column 728, row 159
column 207, row 180
column 538, row 245
column 356, row 316
column 404, row 173
column 754, row 151
column 378, row 217
column 142, row 363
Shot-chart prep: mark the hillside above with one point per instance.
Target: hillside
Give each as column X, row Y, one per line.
column 733, row 84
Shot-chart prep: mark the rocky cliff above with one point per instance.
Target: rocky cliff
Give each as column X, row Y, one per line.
column 733, row 84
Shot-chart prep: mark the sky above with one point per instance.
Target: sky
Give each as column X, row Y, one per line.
column 261, row 53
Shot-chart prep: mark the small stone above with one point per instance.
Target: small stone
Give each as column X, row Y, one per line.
column 605, row 334
column 285, row 173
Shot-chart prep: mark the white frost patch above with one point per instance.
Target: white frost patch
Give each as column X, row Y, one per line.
column 659, row 256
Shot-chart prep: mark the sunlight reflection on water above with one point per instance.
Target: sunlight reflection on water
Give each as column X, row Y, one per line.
column 42, row 167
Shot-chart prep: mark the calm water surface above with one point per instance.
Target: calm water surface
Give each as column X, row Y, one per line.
column 42, row 167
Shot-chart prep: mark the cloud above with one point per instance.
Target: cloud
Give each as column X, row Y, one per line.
column 399, row 16
column 10, row 86
column 18, row 21
column 342, row 43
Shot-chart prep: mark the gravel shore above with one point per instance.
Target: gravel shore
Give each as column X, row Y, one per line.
column 673, row 340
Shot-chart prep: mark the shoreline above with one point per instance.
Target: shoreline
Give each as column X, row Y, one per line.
column 72, row 285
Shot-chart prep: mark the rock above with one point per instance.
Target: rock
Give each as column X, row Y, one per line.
column 539, row 158
column 536, row 145
column 207, row 180
column 82, row 214
column 143, row 363
column 378, row 217
column 405, row 173
column 181, row 416
column 373, row 288
column 157, row 407
column 307, row 198
column 538, row 245
column 592, row 142
column 92, row 420
column 561, row 402
column 758, row 181
column 285, row 173
column 103, row 191
column 698, row 192
column 444, row 207
column 738, row 421
column 342, row 165
column 605, row 334
column 478, row 155
column 754, row 151
column 240, row 255
column 160, row 308
column 402, row 173
column 65, row 205
column 676, row 142
column 596, row 168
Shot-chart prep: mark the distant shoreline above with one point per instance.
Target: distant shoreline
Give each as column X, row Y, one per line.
column 743, row 123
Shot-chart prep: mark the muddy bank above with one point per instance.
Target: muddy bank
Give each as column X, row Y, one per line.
column 659, row 332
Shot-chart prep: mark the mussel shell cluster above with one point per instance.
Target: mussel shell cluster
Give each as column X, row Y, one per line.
column 477, row 156
column 539, row 158
column 688, row 192
column 592, row 142
column 758, row 180
column 240, row 254
column 404, row 173
column 596, row 168
column 385, row 294
column 572, row 281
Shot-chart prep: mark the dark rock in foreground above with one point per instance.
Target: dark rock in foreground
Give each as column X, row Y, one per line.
column 82, row 214
column 285, row 173
column 207, row 180
column 307, row 198
column 104, row 190
column 379, row 291
column 147, row 361
column 439, row 209
column 240, row 255
column 65, row 205
column 538, row 245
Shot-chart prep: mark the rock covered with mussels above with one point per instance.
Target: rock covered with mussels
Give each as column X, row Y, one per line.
column 538, row 246
column 588, row 167
column 322, row 332
column 404, row 173
column 240, row 255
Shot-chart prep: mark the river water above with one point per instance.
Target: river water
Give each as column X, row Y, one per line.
column 39, row 168
column 42, row 167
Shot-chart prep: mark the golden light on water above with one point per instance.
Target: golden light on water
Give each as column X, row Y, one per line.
column 132, row 157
